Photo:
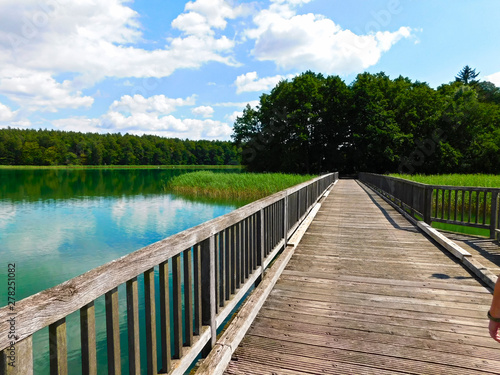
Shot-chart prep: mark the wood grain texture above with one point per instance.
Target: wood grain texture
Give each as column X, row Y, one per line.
column 166, row 356
column 366, row 293
column 150, row 313
column 113, row 332
column 88, row 339
column 58, row 348
column 134, row 343
column 21, row 359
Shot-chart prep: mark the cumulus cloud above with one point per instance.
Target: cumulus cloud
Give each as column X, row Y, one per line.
column 205, row 15
column 205, row 111
column 493, row 78
column 250, row 82
column 159, row 104
column 139, row 115
column 6, row 114
column 311, row 41
column 40, row 91
column 91, row 40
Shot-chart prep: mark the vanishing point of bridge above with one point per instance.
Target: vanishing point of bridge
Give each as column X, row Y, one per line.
column 344, row 284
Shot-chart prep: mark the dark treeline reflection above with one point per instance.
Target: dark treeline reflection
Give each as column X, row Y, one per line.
column 47, row 184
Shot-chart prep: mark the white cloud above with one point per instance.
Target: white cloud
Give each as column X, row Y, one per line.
column 208, row 14
column 153, row 115
column 90, row 40
column 232, row 117
column 205, row 111
column 311, row 41
column 39, row 91
column 6, row 114
column 250, row 82
column 493, row 78
column 158, row 104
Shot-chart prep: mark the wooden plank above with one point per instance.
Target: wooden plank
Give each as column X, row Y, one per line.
column 17, row 359
column 217, row 269
column 188, row 297
column 165, row 316
column 177, row 306
column 227, row 264
column 150, row 313
column 58, row 348
column 415, row 309
column 197, row 290
column 222, row 270
column 88, row 339
column 44, row 308
column 113, row 332
column 134, row 343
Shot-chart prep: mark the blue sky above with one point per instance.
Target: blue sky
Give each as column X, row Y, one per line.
column 186, row 69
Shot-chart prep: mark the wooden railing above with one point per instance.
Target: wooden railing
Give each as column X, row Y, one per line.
column 468, row 206
column 213, row 266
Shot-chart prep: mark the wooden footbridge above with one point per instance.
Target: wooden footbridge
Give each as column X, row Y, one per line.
column 342, row 284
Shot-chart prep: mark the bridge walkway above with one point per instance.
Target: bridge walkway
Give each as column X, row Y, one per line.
column 366, row 293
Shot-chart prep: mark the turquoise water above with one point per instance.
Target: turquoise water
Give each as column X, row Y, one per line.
column 57, row 224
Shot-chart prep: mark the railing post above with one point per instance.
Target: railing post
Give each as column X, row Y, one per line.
column 494, row 214
column 208, row 288
column 18, row 359
column 285, row 219
column 428, row 204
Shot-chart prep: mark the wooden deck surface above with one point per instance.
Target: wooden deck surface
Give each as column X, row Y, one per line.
column 366, row 293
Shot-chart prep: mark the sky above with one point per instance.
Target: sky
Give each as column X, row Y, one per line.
column 187, row 69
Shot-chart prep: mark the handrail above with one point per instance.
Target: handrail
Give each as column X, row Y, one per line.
column 221, row 259
column 469, row 206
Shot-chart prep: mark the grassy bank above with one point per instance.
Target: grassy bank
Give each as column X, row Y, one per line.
column 121, row 167
column 477, row 180
column 234, row 186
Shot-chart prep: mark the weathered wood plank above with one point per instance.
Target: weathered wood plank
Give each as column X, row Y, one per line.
column 386, row 301
column 150, row 312
column 188, row 297
column 18, row 359
column 88, row 339
column 134, row 343
column 177, row 305
column 113, row 332
column 165, row 317
column 58, row 348
column 197, row 290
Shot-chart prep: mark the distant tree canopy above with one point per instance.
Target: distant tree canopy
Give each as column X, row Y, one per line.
column 51, row 147
column 316, row 124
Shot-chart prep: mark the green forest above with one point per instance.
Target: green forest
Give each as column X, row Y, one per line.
column 314, row 124
column 52, row 147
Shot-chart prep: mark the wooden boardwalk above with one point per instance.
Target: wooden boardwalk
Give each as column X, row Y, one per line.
column 366, row 293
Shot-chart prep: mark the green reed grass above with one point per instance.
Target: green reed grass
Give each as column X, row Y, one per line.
column 476, row 180
column 233, row 186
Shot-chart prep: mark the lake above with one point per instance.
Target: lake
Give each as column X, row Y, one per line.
column 56, row 224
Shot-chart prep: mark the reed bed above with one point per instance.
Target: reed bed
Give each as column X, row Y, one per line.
column 233, row 186
column 476, row 180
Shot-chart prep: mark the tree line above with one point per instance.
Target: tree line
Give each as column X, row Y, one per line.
column 54, row 147
column 314, row 123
